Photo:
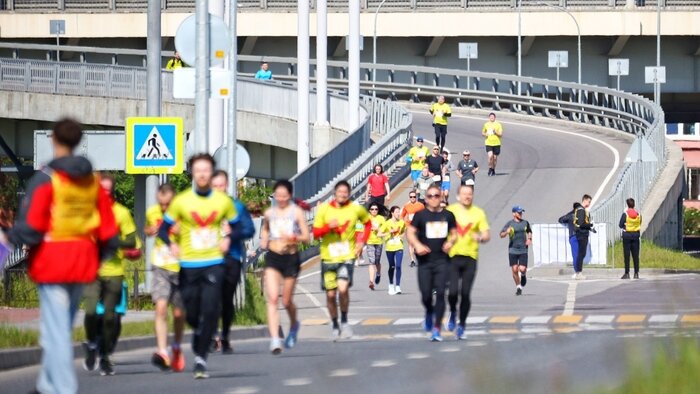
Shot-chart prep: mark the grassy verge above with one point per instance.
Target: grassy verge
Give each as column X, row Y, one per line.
column 254, row 311
column 653, row 256
column 674, row 369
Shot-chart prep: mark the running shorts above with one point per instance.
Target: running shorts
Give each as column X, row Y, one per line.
column 445, row 186
column 332, row 272
column 165, row 285
column 288, row 265
column 517, row 259
column 495, row 149
column 415, row 174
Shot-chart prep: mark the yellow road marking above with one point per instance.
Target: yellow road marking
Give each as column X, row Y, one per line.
column 376, row 322
column 691, row 319
column 314, row 322
column 504, row 319
column 501, row 331
column 568, row 319
column 631, row 318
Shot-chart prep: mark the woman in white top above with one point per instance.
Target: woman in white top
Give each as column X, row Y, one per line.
column 284, row 229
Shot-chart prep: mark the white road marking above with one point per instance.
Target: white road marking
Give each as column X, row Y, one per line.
column 450, row 349
column 503, row 339
column 600, row 319
column 477, row 319
column 536, row 330
column 417, row 356
column 383, row 363
column 535, row 319
column 310, row 274
column 598, row 327
column 663, row 318
column 297, row 382
column 615, row 152
column 314, row 300
column 570, row 299
column 476, row 332
column 411, row 335
column 408, row 321
column 343, row 372
column 244, row 390
column 476, row 343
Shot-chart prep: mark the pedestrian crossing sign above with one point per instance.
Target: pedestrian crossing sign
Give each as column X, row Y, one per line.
column 154, row 145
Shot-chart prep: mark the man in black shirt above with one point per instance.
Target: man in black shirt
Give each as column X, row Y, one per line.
column 432, row 233
column 435, row 162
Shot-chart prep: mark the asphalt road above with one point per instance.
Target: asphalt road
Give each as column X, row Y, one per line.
column 561, row 336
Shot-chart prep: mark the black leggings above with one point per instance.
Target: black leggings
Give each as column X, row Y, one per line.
column 201, row 294
column 232, row 276
column 440, row 135
column 462, row 269
column 432, row 276
column 631, row 246
column 107, row 289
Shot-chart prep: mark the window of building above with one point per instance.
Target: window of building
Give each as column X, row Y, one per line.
column 693, row 179
column 689, row 129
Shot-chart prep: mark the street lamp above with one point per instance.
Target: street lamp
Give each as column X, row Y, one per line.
column 520, row 45
column 578, row 31
column 374, row 52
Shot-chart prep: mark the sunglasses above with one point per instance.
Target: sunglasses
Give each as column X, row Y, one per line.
column 411, row 196
column 466, row 154
column 373, row 209
column 432, row 196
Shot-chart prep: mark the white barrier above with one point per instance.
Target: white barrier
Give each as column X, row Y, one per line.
column 550, row 245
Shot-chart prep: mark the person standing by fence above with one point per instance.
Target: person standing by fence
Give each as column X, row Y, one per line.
column 583, row 228
column 631, row 225
column 568, row 221
column 67, row 222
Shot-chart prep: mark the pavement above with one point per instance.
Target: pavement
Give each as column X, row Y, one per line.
column 562, row 335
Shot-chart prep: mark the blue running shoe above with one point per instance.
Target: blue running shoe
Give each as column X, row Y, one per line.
column 291, row 339
column 436, row 337
column 428, row 324
column 452, row 322
column 460, row 333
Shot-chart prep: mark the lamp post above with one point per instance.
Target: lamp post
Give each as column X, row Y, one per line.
column 374, row 52
column 578, row 31
column 657, row 86
column 520, row 44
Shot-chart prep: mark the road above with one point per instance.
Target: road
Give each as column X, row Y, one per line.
column 561, row 336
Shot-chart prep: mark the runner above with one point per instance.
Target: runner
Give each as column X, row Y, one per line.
column 416, row 156
column 467, row 168
column 378, row 189
column 233, row 261
column 435, row 163
column 284, row 229
column 374, row 246
column 165, row 287
column 440, row 111
column 393, row 230
column 412, row 207
column 472, row 229
column 520, row 234
column 334, row 225
column 582, row 228
column 423, row 184
column 433, row 233
column 200, row 212
column 108, row 290
column 446, row 172
column 492, row 132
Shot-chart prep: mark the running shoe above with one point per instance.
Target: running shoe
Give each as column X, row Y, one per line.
column 575, row 275
column 178, row 362
column 371, row 285
column 276, row 346
column 377, row 278
column 90, row 362
column 106, row 367
column 626, row 276
column 523, row 280
column 291, row 339
column 200, row 370
column 161, row 360
column 335, row 334
column 452, row 322
column 518, row 291
column 461, row 334
column 428, row 324
column 215, row 345
column 636, row 275
column 392, row 290
column 226, row 347
column 436, row 337
column 580, row 276
column 345, row 331
column 398, row 289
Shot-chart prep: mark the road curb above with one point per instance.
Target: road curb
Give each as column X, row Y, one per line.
column 612, row 272
column 22, row 357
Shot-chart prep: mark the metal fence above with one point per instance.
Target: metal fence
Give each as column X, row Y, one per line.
column 333, row 5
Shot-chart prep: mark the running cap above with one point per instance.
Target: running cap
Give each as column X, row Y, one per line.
column 518, row 209
column 419, row 139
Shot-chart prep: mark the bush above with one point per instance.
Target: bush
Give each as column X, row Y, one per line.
column 691, row 221
column 254, row 311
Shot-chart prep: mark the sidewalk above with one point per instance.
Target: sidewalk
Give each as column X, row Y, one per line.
column 29, row 318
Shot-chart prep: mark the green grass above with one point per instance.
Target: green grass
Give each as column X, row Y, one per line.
column 254, row 311
column 653, row 256
column 674, row 369
column 12, row 337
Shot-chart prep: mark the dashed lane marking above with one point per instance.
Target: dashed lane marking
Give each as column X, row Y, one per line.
column 297, row 382
column 417, row 356
column 627, row 319
column 408, row 321
column 383, row 363
column 600, row 319
column 535, row 319
column 244, row 390
column 663, row 318
column 570, row 299
column 339, row 373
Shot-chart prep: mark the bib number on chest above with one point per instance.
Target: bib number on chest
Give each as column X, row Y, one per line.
column 204, row 238
column 436, row 230
column 339, row 249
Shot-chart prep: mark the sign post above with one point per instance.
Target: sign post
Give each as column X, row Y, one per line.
column 618, row 67
column 657, row 76
column 154, row 145
column 469, row 51
column 558, row 59
column 57, row 27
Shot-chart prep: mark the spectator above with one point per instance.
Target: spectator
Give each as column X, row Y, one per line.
column 264, row 73
column 175, row 62
column 631, row 225
column 568, row 221
column 583, row 228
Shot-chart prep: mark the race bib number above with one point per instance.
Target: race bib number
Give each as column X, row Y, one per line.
column 446, row 178
column 410, row 216
column 394, row 241
column 339, row 249
column 203, row 238
column 375, row 225
column 436, row 230
column 162, row 256
column 424, row 186
column 439, row 114
column 281, row 227
column 489, row 132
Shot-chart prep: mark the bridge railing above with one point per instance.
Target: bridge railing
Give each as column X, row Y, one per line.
column 333, row 5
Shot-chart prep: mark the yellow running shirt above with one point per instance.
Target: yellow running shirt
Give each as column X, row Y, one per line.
column 338, row 244
column 395, row 229
column 490, row 128
column 470, row 221
column 377, row 223
column 114, row 266
column 439, row 112
column 161, row 256
column 200, row 219
column 418, row 156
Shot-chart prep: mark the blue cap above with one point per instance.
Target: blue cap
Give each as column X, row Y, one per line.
column 419, row 139
column 518, row 209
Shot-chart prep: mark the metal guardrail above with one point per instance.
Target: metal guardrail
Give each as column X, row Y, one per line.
column 285, row 5
column 585, row 104
column 16, row 256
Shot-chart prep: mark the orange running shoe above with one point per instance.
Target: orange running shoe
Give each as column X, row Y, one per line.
column 178, row 360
